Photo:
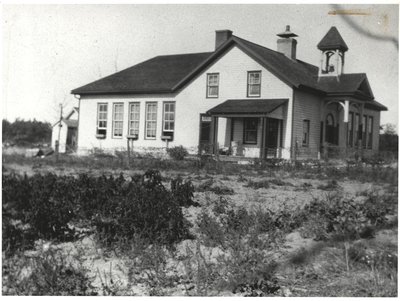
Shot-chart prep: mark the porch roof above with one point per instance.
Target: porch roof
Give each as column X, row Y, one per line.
column 247, row 106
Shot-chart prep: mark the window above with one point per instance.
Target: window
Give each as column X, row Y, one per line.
column 118, row 117
column 364, row 132
column 357, row 128
column 101, row 120
column 250, row 130
column 212, row 85
column 370, row 128
column 134, row 117
column 254, row 84
column 306, row 132
column 169, row 117
column 350, row 129
column 151, row 120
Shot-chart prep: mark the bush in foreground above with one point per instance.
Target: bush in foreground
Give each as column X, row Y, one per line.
column 47, row 206
column 177, row 152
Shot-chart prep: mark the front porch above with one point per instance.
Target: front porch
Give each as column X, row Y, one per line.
column 349, row 127
column 244, row 129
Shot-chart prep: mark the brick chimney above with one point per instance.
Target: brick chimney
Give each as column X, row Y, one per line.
column 221, row 36
column 287, row 44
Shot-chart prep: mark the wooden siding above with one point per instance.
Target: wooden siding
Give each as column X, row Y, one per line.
column 307, row 107
column 190, row 103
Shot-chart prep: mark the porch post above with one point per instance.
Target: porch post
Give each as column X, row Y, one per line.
column 214, row 135
column 360, row 127
column 262, row 147
column 346, row 124
column 212, row 126
column 322, row 131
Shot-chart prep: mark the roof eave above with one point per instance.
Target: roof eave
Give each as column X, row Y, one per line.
column 312, row 90
column 99, row 92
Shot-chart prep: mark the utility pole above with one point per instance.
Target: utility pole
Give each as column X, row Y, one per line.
column 59, row 132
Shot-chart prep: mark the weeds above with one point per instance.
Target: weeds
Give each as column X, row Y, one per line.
column 47, row 274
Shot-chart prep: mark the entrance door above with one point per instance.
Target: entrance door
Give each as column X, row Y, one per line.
column 205, row 134
column 330, row 130
column 272, row 137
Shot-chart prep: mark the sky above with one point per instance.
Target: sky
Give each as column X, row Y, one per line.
column 48, row 50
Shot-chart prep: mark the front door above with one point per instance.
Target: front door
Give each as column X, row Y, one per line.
column 205, row 134
column 330, row 130
column 272, row 137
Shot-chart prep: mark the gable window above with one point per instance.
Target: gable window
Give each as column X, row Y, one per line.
column 250, row 130
column 306, row 132
column 253, row 83
column 168, row 119
column 370, row 128
column 101, row 130
column 118, row 119
column 212, row 85
column 151, row 120
column 350, row 129
column 134, row 117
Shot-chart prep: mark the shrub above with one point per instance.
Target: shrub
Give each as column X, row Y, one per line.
column 47, row 274
column 248, row 271
column 15, row 237
column 341, row 218
column 183, row 192
column 117, row 207
column 219, row 190
column 177, row 152
column 145, row 207
column 44, row 202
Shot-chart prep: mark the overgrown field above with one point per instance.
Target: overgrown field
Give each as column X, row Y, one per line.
column 199, row 229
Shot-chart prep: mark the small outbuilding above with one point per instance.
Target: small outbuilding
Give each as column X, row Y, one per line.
column 65, row 132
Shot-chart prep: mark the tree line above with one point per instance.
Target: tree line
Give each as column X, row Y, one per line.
column 23, row 133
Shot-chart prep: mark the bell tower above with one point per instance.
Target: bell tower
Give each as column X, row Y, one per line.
column 332, row 48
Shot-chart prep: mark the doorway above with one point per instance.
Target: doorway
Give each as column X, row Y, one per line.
column 71, row 139
column 330, row 130
column 205, row 134
column 272, row 137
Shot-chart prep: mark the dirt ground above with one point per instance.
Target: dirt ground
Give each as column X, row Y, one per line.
column 112, row 267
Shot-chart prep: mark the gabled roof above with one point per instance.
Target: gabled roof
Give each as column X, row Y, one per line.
column 157, row 75
column 71, row 123
column 169, row 73
column 332, row 40
column 347, row 83
column 247, row 106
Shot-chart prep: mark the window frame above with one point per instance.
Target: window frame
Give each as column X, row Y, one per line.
column 164, row 120
column 245, row 130
column 249, row 84
column 113, row 121
column 212, row 86
column 147, row 121
column 101, row 120
column 130, row 105
column 307, row 142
